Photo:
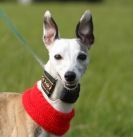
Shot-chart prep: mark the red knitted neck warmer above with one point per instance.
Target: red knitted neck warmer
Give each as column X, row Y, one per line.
column 44, row 114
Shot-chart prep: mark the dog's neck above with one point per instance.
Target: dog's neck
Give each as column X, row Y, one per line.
column 54, row 99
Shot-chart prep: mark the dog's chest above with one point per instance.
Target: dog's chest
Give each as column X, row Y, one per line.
column 39, row 132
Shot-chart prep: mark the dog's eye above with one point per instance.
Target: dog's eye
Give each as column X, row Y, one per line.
column 58, row 57
column 82, row 56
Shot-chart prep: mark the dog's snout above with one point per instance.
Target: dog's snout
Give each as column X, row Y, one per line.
column 70, row 76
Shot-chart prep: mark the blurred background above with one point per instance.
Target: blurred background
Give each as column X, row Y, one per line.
column 105, row 106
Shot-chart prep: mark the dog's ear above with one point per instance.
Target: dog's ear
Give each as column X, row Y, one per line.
column 50, row 29
column 84, row 29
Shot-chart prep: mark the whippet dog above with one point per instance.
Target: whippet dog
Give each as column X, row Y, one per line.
column 46, row 109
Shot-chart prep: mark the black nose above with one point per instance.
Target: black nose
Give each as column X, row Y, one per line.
column 70, row 76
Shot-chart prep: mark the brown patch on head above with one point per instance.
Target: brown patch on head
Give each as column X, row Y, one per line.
column 83, row 47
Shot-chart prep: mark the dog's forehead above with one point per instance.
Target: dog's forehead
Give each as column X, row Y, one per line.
column 64, row 45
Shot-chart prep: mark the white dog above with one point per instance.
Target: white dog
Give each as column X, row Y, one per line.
column 46, row 109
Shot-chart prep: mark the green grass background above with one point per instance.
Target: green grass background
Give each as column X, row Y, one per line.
column 105, row 106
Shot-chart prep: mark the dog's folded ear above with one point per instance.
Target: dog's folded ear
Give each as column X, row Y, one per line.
column 84, row 29
column 50, row 29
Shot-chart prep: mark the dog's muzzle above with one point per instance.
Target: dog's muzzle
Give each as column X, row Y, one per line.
column 69, row 94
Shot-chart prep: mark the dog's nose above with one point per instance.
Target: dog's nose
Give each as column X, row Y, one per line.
column 70, row 76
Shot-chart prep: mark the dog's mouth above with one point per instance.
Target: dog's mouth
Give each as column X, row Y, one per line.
column 71, row 85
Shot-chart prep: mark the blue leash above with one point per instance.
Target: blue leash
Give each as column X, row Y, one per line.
column 19, row 36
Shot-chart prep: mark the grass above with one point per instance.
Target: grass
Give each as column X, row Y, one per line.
column 105, row 106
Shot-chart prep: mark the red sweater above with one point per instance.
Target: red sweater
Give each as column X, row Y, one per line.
column 44, row 114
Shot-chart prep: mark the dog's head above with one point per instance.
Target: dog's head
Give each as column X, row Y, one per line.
column 68, row 57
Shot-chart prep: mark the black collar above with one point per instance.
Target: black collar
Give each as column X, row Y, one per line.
column 67, row 95
column 48, row 83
